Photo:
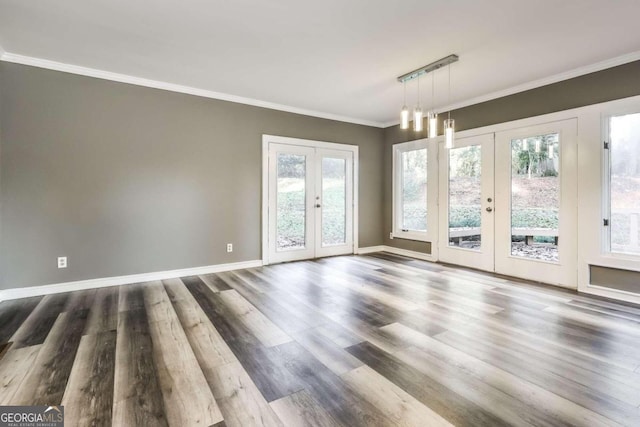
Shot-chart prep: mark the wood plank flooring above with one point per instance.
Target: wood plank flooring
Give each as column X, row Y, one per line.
column 376, row 340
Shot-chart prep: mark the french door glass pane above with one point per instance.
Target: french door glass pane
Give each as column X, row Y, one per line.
column 625, row 183
column 414, row 190
column 291, row 197
column 334, row 208
column 535, row 196
column 465, row 193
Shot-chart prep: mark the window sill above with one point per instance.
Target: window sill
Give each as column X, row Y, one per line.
column 409, row 235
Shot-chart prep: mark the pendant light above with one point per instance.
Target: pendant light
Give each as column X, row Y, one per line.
column 417, row 113
column 537, row 145
column 432, row 116
column 551, row 151
column 404, row 113
column 449, row 124
column 525, row 146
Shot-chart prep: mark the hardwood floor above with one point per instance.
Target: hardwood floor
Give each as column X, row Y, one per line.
column 359, row 340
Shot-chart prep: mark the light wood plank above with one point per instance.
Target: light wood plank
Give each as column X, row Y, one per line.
column 205, row 340
column 328, row 353
column 239, row 398
column 538, row 397
column 396, row 403
column 187, row 397
column 15, row 366
column 301, row 409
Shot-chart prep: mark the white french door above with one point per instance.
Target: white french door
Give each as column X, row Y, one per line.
column 508, row 202
column 467, row 203
column 310, row 200
column 536, row 202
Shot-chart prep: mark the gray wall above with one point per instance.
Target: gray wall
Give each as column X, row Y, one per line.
column 607, row 85
column 124, row 179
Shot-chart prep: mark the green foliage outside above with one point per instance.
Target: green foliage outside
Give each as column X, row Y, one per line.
column 469, row 216
column 291, row 215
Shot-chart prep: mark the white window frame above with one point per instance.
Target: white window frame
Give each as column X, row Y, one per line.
column 606, row 182
column 431, row 145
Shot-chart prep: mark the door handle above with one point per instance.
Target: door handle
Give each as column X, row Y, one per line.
column 489, row 209
column 318, row 205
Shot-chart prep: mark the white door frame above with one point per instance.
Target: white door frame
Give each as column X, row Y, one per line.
column 266, row 140
column 482, row 259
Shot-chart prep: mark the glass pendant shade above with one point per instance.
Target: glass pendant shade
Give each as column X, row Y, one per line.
column 538, row 146
column 404, row 118
column 449, row 126
column 417, row 119
column 433, row 125
column 525, row 146
column 551, row 151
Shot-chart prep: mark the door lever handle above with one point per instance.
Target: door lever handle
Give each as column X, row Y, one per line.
column 489, row 209
column 318, row 205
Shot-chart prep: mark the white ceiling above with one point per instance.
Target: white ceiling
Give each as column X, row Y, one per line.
column 338, row 57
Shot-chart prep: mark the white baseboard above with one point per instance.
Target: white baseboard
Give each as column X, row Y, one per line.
column 610, row 293
column 410, row 254
column 32, row 291
column 370, row 249
column 396, row 251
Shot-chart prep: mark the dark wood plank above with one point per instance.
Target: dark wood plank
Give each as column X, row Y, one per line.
column 137, row 395
column 88, row 398
column 38, row 324
column 214, row 282
column 4, row 348
column 103, row 314
column 46, row 382
column 13, row 313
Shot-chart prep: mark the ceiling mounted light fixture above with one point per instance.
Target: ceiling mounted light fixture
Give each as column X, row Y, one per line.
column 432, row 115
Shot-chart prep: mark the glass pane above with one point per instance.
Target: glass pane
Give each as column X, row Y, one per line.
column 334, row 206
column 291, row 206
column 535, row 197
column 414, row 190
column 625, row 184
column 465, row 193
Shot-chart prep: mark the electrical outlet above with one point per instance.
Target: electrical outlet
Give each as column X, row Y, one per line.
column 229, row 247
column 62, row 262
column 391, row 235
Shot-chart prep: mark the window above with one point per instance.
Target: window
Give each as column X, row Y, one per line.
column 411, row 190
column 623, row 164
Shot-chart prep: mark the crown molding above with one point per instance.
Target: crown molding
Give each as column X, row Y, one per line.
column 171, row 87
column 576, row 72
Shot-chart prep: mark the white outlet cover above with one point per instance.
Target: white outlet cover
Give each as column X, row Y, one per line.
column 62, row 262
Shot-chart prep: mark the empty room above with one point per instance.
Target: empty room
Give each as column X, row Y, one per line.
column 335, row 213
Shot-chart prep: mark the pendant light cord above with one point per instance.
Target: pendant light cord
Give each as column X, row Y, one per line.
column 404, row 85
column 449, row 101
column 433, row 91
